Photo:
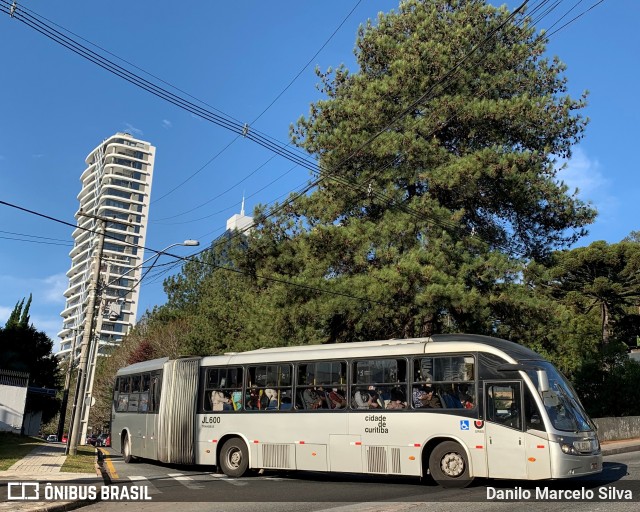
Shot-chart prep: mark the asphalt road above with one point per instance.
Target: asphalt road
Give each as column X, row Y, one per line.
column 171, row 488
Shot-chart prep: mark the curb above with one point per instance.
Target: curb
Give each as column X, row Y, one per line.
column 100, row 466
column 621, row 449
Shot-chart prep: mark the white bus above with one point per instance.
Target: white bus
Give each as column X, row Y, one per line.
column 452, row 406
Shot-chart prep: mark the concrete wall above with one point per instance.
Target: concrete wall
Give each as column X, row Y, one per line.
column 613, row 429
column 12, row 401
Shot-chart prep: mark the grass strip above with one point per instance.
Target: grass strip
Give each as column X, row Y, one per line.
column 83, row 462
column 14, row 447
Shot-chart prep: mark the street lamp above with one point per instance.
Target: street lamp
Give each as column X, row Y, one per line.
column 84, row 387
column 186, row 243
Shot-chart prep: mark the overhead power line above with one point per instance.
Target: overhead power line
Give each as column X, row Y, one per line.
column 402, row 114
column 213, row 265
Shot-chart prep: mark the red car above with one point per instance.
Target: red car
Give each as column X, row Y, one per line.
column 64, row 438
column 103, row 440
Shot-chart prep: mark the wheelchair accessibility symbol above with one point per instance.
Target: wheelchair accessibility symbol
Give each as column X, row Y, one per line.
column 464, row 424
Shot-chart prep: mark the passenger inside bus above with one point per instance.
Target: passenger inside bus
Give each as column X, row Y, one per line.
column 253, row 398
column 220, row 401
column 424, row 397
column 313, row 398
column 336, row 399
column 367, row 399
column 396, row 399
column 272, row 398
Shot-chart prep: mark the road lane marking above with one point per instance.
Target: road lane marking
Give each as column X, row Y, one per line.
column 231, row 481
column 111, row 470
column 152, row 489
column 187, row 481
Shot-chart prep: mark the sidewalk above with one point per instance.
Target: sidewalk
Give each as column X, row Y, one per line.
column 44, row 462
column 43, row 465
column 624, row 446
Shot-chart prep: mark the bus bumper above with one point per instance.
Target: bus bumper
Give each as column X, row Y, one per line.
column 566, row 466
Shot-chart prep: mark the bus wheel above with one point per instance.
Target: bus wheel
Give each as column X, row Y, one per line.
column 449, row 466
column 234, row 458
column 126, row 449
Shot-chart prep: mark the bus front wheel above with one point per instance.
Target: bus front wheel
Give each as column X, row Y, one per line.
column 234, row 458
column 449, row 466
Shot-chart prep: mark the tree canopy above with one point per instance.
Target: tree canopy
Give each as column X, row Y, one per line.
column 24, row 348
column 435, row 185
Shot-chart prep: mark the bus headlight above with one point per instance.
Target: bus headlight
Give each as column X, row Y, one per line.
column 568, row 449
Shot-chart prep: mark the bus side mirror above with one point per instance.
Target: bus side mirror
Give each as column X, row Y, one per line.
column 543, row 381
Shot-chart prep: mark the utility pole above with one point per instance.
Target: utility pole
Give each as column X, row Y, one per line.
column 87, row 335
column 65, row 393
column 89, row 346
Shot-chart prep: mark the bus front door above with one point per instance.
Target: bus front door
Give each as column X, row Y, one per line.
column 505, row 438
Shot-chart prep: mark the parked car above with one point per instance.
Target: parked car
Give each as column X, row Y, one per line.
column 64, row 438
column 102, row 440
column 52, row 438
column 92, row 439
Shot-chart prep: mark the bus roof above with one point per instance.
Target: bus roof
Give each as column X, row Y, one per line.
column 144, row 366
column 440, row 343
column 436, row 344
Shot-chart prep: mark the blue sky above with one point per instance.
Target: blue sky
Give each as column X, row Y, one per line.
column 237, row 57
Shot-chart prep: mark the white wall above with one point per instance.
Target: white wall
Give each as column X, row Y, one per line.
column 12, row 401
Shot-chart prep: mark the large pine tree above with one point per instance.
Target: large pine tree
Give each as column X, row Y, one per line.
column 437, row 180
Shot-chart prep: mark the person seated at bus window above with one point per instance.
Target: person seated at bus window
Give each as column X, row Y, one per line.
column 236, row 400
column 451, row 401
column 466, row 401
column 425, row 397
column 285, row 404
column 253, row 398
column 313, row 398
column 368, row 399
column 272, row 398
column 336, row 399
column 396, row 399
column 219, row 401
column 143, row 406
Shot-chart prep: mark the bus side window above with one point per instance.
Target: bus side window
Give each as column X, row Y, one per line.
column 123, row 396
column 144, row 395
column 532, row 416
column 154, row 392
column 116, row 393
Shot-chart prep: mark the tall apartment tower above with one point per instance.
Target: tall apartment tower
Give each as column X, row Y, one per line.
column 116, row 184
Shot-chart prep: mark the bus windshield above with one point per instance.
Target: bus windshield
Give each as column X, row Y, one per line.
column 561, row 402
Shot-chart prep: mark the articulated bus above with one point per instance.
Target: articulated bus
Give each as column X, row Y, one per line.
column 452, row 406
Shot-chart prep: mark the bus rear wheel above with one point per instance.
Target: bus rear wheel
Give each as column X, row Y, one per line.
column 234, row 458
column 449, row 466
column 126, row 449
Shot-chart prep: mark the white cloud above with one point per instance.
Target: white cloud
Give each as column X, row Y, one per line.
column 132, row 129
column 54, row 288
column 166, row 124
column 4, row 314
column 584, row 174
